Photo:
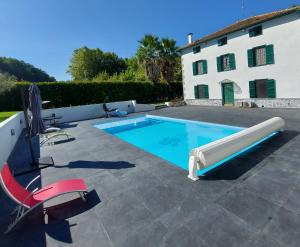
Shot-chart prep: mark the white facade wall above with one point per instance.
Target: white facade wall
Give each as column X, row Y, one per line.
column 282, row 32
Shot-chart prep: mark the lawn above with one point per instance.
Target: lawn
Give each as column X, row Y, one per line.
column 4, row 115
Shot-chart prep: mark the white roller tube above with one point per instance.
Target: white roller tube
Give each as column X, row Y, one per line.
column 216, row 151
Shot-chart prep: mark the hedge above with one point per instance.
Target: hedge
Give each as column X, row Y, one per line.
column 63, row 94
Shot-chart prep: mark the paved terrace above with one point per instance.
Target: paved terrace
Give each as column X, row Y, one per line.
column 137, row 199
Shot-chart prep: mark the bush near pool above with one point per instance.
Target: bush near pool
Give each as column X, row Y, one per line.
column 62, row 94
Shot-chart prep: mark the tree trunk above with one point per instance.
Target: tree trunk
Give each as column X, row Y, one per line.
column 152, row 70
column 167, row 70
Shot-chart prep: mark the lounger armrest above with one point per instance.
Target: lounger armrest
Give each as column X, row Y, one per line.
column 32, row 181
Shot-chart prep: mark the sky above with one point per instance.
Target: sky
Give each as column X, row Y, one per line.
column 46, row 32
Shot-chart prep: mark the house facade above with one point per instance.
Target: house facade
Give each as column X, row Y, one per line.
column 252, row 62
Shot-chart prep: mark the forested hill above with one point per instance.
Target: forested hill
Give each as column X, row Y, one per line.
column 23, row 71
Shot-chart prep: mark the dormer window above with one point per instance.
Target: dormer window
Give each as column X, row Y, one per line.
column 222, row 41
column 196, row 49
column 256, row 31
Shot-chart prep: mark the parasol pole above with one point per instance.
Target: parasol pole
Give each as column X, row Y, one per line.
column 27, row 126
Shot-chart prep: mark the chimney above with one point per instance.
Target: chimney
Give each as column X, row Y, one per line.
column 190, row 38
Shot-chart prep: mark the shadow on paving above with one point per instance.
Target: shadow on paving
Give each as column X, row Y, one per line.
column 67, row 125
column 64, row 141
column 118, row 165
column 32, row 230
column 235, row 168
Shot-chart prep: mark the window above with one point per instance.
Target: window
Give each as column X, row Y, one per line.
column 201, row 91
column 226, row 62
column 200, row 67
column 262, row 55
column 256, row 31
column 222, row 41
column 196, row 49
column 264, row 88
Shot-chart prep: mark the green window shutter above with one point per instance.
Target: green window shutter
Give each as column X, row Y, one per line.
column 195, row 68
column 196, row 91
column 271, row 89
column 196, row 49
column 204, row 64
column 250, row 58
column 252, row 32
column 270, row 54
column 232, row 61
column 206, row 93
column 252, row 89
column 219, row 64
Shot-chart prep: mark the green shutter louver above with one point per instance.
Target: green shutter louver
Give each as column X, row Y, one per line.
column 196, row 49
column 251, row 32
column 205, row 91
column 196, row 91
column 195, row 68
column 232, row 61
column 250, row 58
column 219, row 64
column 204, row 64
column 255, row 31
column 252, row 89
column 270, row 54
column 271, row 89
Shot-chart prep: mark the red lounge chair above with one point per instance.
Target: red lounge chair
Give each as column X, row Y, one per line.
column 29, row 200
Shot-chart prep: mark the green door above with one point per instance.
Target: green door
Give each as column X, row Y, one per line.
column 228, row 95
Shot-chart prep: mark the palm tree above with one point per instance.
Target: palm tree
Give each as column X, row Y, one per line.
column 168, row 56
column 148, row 55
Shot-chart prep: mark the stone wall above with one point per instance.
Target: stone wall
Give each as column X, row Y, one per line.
column 207, row 102
column 268, row 103
column 272, row 103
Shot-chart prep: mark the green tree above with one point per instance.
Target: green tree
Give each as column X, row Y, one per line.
column 135, row 69
column 23, row 71
column 87, row 64
column 7, row 82
column 168, row 58
column 148, row 56
column 178, row 70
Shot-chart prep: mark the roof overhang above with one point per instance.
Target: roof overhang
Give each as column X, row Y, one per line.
column 241, row 25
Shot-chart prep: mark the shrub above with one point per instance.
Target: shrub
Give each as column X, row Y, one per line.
column 62, row 94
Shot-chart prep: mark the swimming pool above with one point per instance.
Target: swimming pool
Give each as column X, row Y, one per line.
column 168, row 138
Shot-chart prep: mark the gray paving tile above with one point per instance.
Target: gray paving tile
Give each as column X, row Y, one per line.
column 123, row 215
column 191, row 207
column 264, row 241
column 253, row 209
column 218, row 227
column 182, row 237
column 293, row 202
column 155, row 199
column 268, row 188
column 285, row 228
column 147, row 235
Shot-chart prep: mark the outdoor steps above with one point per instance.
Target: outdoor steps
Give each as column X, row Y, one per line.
column 160, row 106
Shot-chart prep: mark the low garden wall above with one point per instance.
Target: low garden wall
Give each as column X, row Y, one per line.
column 83, row 112
column 10, row 130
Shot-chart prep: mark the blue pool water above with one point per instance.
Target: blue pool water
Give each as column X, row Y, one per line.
column 168, row 138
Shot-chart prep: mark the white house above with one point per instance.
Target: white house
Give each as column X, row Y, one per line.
column 254, row 61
